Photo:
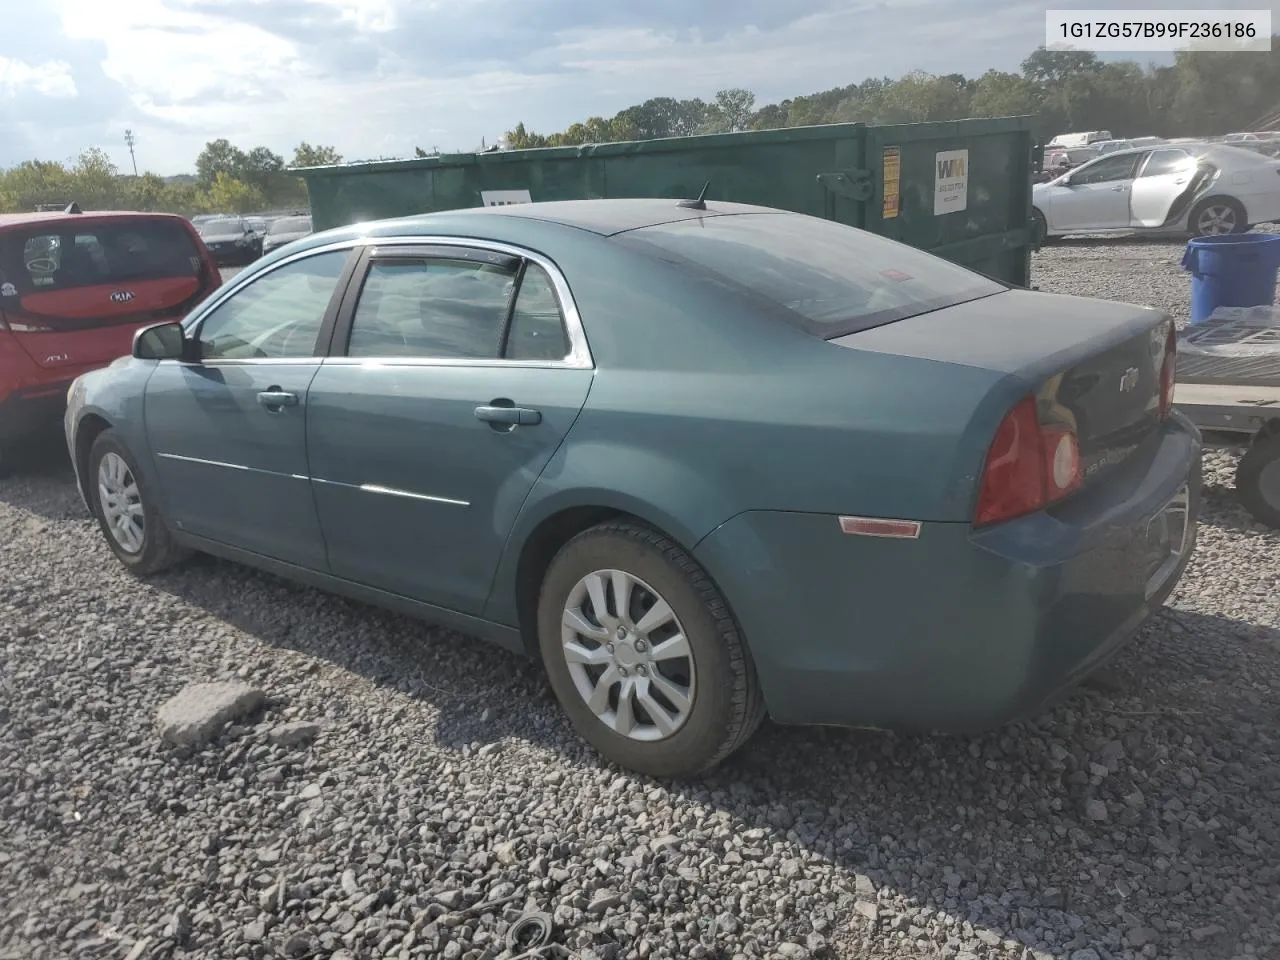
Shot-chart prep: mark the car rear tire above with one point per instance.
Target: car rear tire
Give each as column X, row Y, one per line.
column 126, row 510
column 663, row 685
column 1217, row 217
column 1258, row 480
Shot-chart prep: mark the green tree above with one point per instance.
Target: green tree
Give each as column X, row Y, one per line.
column 95, row 180
column 1000, row 94
column 229, row 195
column 734, row 108
column 219, row 157
column 262, row 168
column 305, row 155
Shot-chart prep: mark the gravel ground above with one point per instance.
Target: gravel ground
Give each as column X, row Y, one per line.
column 1139, row 819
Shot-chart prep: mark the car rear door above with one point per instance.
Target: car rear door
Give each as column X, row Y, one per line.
column 1097, row 196
column 77, row 288
column 1163, row 175
column 228, row 433
column 457, row 373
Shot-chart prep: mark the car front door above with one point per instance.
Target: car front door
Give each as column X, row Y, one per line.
column 1162, row 178
column 461, row 371
column 1096, row 196
column 228, row 432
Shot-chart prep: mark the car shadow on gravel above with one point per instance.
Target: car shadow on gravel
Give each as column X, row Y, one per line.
column 1142, row 810
column 36, row 477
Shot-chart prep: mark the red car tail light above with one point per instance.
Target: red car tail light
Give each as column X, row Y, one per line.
column 1028, row 466
column 1168, row 374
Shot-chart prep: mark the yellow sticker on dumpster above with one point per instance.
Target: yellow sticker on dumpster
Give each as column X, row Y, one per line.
column 892, row 178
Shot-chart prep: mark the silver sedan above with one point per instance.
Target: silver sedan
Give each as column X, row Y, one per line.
column 1198, row 189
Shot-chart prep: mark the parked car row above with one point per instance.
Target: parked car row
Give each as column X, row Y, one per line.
column 238, row 240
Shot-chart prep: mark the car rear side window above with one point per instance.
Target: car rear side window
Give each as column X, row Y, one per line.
column 1162, row 162
column 64, row 256
column 432, row 308
column 537, row 325
column 825, row 277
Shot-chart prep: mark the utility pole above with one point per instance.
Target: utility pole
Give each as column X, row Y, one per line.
column 128, row 139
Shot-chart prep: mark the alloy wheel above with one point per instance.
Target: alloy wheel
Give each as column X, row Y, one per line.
column 121, row 503
column 1216, row 220
column 628, row 655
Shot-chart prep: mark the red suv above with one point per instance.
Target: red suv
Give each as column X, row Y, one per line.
column 74, row 288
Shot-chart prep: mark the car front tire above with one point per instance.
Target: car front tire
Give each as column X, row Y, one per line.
column 126, row 510
column 643, row 653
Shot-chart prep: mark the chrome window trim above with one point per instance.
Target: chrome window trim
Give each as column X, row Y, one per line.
column 579, row 357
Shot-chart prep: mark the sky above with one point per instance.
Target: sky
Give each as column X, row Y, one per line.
column 379, row 77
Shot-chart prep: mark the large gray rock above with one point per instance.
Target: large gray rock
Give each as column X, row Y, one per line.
column 199, row 710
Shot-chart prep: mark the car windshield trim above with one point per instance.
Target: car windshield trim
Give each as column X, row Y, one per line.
column 739, row 253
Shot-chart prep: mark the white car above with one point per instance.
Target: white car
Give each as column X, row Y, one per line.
column 1201, row 189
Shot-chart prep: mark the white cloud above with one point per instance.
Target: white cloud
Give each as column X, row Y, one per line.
column 161, row 52
column 51, row 78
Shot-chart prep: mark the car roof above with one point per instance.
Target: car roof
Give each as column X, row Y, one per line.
column 48, row 216
column 605, row 217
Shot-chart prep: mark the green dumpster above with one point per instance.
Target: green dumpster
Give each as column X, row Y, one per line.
column 960, row 189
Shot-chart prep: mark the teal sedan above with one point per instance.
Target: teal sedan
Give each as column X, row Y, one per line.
column 706, row 461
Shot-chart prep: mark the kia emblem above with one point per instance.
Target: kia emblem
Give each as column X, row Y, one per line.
column 1129, row 380
column 122, row 296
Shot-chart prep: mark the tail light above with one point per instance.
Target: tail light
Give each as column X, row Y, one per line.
column 1028, row 466
column 1168, row 374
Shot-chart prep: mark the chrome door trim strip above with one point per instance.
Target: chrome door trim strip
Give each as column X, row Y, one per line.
column 579, row 350
column 229, row 466
column 393, row 492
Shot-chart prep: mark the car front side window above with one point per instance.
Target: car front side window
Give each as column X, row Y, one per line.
column 278, row 315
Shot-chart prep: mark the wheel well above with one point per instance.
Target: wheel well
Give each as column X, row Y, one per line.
column 540, row 549
column 1216, row 198
column 87, row 431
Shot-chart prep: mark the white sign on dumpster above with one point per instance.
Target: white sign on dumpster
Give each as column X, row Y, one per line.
column 502, row 198
column 951, row 182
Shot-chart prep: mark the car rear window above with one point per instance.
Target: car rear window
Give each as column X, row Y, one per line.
column 290, row 225
column 64, row 255
column 827, row 278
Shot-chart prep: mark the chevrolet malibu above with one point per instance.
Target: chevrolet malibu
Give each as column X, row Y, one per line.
column 707, row 461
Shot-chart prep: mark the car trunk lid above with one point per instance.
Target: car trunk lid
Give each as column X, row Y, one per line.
column 1093, row 365
column 75, row 290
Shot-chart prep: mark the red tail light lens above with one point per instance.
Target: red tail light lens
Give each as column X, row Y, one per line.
column 1168, row 374
column 1028, row 466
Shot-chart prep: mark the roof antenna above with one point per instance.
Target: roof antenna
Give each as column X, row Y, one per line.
column 700, row 203
column 73, row 207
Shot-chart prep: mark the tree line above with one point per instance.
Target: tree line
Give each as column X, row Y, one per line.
column 1201, row 94
column 227, row 180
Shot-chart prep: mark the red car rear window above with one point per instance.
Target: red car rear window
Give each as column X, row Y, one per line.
column 63, row 255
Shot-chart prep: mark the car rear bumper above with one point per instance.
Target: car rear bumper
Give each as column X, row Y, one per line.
column 958, row 630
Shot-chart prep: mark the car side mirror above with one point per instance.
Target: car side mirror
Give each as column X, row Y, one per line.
column 161, row 341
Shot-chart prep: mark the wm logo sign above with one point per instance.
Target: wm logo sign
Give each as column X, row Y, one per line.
column 950, row 168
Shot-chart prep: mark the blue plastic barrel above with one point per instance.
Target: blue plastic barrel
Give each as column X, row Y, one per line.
column 1237, row 270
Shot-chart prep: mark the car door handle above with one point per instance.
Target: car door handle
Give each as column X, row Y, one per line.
column 510, row 415
column 275, row 397
column 1119, row 189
